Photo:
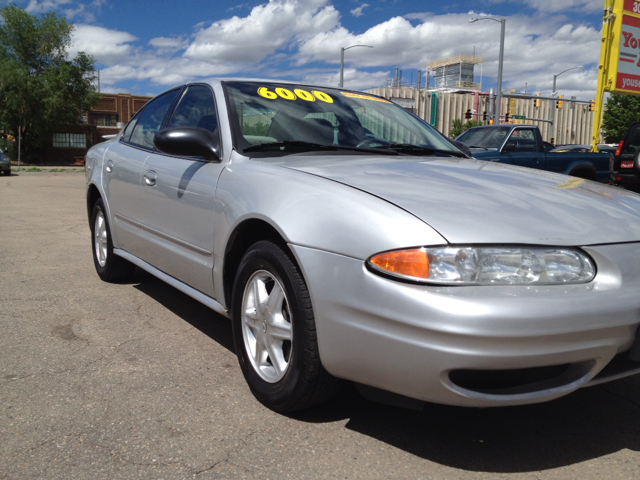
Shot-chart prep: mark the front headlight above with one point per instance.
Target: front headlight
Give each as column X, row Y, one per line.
column 466, row 265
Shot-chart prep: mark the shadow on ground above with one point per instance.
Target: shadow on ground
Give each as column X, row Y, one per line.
column 215, row 326
column 587, row 424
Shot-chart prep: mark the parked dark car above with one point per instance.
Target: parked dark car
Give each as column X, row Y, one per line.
column 625, row 166
column 522, row 145
column 5, row 164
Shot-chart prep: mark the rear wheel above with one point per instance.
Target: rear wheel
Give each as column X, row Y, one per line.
column 274, row 332
column 109, row 266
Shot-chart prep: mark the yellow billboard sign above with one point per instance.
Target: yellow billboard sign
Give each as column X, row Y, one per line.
column 620, row 49
column 619, row 70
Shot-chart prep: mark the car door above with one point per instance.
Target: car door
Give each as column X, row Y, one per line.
column 122, row 169
column 521, row 148
column 178, row 199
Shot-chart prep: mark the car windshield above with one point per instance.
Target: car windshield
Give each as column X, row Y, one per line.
column 280, row 119
column 485, row 137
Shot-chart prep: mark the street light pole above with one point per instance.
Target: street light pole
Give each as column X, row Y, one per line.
column 553, row 94
column 342, row 49
column 500, row 64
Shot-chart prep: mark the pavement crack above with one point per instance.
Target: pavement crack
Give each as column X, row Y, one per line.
column 622, row 397
column 231, row 451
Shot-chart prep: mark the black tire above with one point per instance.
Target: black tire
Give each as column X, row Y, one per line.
column 110, row 267
column 584, row 173
column 303, row 383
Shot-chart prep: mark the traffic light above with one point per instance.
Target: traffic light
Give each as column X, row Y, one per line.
column 484, row 116
column 559, row 102
column 468, row 114
column 592, row 105
column 506, row 117
column 536, row 101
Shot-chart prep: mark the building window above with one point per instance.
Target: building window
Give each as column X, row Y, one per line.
column 69, row 140
column 104, row 119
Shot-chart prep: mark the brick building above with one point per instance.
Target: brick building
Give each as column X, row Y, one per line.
column 106, row 118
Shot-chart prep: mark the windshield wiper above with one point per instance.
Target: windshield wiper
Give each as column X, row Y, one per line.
column 417, row 149
column 302, row 145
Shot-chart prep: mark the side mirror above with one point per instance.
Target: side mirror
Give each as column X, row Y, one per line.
column 188, row 142
column 509, row 147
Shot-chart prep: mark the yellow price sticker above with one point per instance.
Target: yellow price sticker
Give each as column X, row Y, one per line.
column 364, row 97
column 264, row 92
column 298, row 93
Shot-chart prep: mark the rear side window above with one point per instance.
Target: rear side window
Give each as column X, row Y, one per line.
column 632, row 141
column 130, row 126
column 151, row 119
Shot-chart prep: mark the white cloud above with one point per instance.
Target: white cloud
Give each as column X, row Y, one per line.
column 279, row 24
column 306, row 36
column 168, row 45
column 536, row 48
column 357, row 12
column 106, row 46
column 70, row 8
column 80, row 11
column 584, row 6
column 166, row 72
column 36, row 6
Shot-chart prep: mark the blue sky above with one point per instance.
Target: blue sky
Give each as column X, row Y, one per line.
column 144, row 47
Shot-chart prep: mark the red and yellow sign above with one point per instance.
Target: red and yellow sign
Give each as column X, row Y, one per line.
column 619, row 69
column 628, row 58
column 620, row 51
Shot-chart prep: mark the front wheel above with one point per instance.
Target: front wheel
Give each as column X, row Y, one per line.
column 274, row 332
column 109, row 266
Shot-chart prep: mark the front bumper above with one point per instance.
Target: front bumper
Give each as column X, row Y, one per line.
column 474, row 346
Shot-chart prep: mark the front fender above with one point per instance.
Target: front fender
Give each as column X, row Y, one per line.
column 93, row 173
column 311, row 211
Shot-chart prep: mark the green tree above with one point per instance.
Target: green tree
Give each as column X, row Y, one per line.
column 457, row 127
column 620, row 111
column 41, row 89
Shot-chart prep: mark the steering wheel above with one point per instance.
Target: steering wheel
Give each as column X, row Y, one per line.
column 370, row 141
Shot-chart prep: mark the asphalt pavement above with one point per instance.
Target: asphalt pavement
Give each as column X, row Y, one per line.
column 137, row 380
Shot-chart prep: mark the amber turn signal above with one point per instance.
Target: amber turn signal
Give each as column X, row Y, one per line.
column 411, row 263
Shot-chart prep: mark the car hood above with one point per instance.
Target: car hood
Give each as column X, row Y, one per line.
column 485, row 202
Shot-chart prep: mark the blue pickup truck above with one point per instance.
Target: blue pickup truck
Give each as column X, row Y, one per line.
column 523, row 145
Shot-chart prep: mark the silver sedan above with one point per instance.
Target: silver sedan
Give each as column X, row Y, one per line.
column 348, row 240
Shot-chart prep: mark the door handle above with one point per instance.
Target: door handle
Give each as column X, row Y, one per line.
column 534, row 158
column 109, row 167
column 150, row 178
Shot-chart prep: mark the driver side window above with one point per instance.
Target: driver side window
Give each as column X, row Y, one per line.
column 196, row 109
column 151, row 119
column 523, row 140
